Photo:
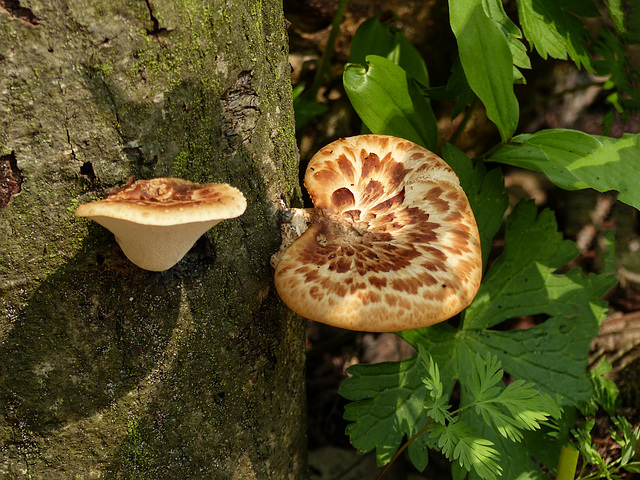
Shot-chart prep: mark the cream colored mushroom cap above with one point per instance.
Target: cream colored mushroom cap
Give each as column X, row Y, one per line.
column 157, row 221
column 394, row 245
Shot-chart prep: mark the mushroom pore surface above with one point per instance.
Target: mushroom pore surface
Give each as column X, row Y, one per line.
column 394, row 245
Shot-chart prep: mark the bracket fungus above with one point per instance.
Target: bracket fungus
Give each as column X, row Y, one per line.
column 157, row 221
column 392, row 243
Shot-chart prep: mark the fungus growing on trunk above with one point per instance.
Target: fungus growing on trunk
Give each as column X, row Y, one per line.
column 157, row 221
column 393, row 244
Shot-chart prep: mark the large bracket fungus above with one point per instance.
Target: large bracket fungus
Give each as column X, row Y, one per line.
column 157, row 221
column 392, row 243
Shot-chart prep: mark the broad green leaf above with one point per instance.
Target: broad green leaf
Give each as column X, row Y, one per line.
column 389, row 102
column 487, row 62
column 304, row 109
column 485, row 191
column 495, row 11
column 520, row 280
column 555, row 30
column 391, row 400
column 575, row 160
column 551, row 356
column 377, row 36
column 390, row 404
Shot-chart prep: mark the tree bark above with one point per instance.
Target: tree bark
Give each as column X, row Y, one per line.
column 107, row 370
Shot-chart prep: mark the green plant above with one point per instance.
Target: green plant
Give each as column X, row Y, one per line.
column 500, row 428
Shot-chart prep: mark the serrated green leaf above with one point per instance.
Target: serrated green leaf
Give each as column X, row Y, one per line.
column 554, row 30
column 435, row 405
column 457, row 442
column 485, row 191
column 627, row 439
column 551, row 358
column 510, row 409
column 390, row 406
column 484, row 378
column 520, row 281
column 389, row 102
column 606, row 391
column 487, row 62
column 575, row 160
column 495, row 11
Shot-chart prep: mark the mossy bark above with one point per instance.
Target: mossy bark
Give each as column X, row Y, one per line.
column 107, row 370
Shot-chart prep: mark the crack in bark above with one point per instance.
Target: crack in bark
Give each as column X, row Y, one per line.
column 17, row 11
column 73, row 150
column 157, row 29
column 10, row 178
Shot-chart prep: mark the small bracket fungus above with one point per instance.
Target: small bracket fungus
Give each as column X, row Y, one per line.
column 157, row 221
column 393, row 244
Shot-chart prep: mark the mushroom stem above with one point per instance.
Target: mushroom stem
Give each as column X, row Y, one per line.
column 157, row 221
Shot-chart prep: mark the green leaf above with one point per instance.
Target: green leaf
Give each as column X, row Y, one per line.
column 487, row 62
column 632, row 34
column 394, row 396
column 575, row 160
column 435, row 405
column 606, row 391
column 377, row 36
column 511, row 409
column 457, row 88
column 627, row 439
column 495, row 11
column 304, row 109
column 555, row 31
column 616, row 14
column 587, row 449
column 548, row 362
column 457, row 442
column 485, row 191
column 389, row 102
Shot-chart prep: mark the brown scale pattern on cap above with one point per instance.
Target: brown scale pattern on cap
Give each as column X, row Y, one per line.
column 394, row 246
column 168, row 201
column 167, row 192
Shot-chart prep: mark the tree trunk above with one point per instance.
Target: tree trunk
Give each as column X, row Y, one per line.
column 107, row 370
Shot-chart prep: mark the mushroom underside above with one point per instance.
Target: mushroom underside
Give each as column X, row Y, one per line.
column 153, row 247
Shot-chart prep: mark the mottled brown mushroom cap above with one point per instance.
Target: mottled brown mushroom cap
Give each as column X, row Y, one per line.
column 394, row 245
column 157, row 221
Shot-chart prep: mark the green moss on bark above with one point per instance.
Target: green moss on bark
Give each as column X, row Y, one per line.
column 105, row 369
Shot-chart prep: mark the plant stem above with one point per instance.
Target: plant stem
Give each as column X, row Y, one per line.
column 323, row 66
column 465, row 120
column 403, row 448
column 567, row 463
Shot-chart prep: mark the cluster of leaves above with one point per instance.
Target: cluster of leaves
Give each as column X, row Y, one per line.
column 625, row 436
column 548, row 361
column 426, row 412
column 499, row 428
